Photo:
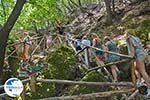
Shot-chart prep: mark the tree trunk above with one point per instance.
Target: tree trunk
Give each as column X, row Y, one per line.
column 113, row 6
column 80, row 4
column 108, row 9
column 5, row 30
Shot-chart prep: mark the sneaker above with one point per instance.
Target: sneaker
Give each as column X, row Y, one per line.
column 147, row 96
column 142, row 87
column 143, row 90
column 140, row 82
column 148, row 93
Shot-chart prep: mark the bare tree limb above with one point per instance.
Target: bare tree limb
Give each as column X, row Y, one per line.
column 91, row 96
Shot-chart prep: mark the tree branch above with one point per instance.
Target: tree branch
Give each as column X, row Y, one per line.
column 5, row 30
column 91, row 96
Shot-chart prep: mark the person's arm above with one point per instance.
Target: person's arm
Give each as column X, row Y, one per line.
column 105, row 53
column 94, row 42
column 29, row 40
column 131, row 47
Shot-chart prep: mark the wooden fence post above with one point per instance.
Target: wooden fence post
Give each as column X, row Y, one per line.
column 133, row 72
column 23, row 93
column 33, row 83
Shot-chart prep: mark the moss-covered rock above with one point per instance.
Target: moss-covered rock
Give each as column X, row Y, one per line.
column 93, row 76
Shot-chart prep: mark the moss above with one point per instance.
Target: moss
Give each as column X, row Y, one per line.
column 146, row 24
column 127, row 18
column 143, row 30
column 61, row 62
column 94, row 76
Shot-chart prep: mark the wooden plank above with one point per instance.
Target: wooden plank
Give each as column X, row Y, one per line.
column 133, row 73
column 23, row 94
column 33, row 83
column 110, row 52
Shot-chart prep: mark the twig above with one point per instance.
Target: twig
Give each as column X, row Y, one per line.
column 133, row 95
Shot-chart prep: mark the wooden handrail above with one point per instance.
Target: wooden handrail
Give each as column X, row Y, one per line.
column 129, row 84
column 109, row 64
column 110, row 52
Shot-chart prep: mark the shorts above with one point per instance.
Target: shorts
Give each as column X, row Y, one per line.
column 113, row 58
column 78, row 48
column 98, row 53
column 140, row 54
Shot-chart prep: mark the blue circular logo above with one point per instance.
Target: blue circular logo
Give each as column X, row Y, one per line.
column 13, row 87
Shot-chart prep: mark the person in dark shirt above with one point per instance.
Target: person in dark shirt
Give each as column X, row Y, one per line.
column 112, row 46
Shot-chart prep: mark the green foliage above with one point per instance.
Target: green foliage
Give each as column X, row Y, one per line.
column 43, row 90
column 39, row 12
column 143, row 30
column 61, row 64
column 61, row 61
column 93, row 76
column 142, row 26
column 6, row 7
column 11, row 40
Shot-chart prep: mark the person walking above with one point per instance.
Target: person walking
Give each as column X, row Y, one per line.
column 85, row 43
column 97, row 42
column 135, row 49
column 110, row 58
column 26, row 45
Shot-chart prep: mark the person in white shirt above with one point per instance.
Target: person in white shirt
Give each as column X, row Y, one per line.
column 85, row 43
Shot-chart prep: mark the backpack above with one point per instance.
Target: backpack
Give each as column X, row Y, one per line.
column 78, row 44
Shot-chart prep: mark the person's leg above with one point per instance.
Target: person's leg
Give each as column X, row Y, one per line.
column 114, row 72
column 99, row 60
column 26, row 52
column 137, row 74
column 141, row 68
column 86, row 56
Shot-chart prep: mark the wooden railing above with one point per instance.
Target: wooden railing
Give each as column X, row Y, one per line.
column 130, row 88
column 130, row 85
